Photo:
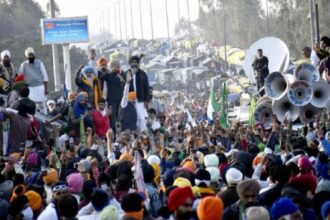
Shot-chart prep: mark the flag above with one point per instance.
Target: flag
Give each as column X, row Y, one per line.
column 140, row 185
column 224, row 103
column 82, row 131
column 212, row 106
column 251, row 111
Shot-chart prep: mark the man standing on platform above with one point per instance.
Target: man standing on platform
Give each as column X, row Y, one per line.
column 260, row 67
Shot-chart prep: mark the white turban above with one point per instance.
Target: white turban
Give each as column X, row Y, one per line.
column 28, row 51
column 5, row 53
column 49, row 102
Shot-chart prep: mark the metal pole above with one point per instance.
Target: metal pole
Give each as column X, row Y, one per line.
column 120, row 32
column 225, row 32
column 115, row 13
column 168, row 26
column 151, row 21
column 179, row 15
column 132, row 26
column 317, row 19
column 67, row 66
column 312, row 26
column 125, row 20
column 55, row 53
column 190, row 30
column 141, row 19
column 268, row 33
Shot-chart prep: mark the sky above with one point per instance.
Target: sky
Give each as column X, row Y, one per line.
column 101, row 14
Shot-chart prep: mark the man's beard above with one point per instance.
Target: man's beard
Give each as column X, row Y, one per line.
column 6, row 63
column 31, row 60
column 184, row 216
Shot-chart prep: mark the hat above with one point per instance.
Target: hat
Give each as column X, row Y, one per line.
column 5, row 53
column 248, row 186
column 132, row 202
column 304, row 163
column 181, row 182
column 153, row 159
column 215, row 173
column 131, row 96
column 101, row 61
column 34, row 199
column 109, row 212
column 88, row 69
column 283, row 206
column 190, row 165
column 202, row 178
column 200, row 157
column 211, row 160
column 32, row 159
column 28, row 51
column 325, row 210
column 100, row 199
column 210, row 207
column 178, row 196
column 51, row 177
column 19, row 82
column 126, row 157
column 75, row 183
column 257, row 213
column 51, row 102
column 233, row 176
column 18, row 190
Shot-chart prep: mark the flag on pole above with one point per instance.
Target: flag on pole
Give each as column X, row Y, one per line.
column 212, row 106
column 224, row 103
column 251, row 111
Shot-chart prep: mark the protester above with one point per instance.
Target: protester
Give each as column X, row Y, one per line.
column 7, row 69
column 36, row 78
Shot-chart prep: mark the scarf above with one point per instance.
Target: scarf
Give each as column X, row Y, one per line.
column 95, row 85
column 78, row 112
column 135, row 215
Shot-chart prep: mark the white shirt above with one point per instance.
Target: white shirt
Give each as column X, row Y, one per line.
column 49, row 213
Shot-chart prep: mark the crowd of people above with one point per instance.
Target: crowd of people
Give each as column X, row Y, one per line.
column 122, row 154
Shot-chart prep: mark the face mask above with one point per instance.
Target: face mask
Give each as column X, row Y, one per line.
column 104, row 187
column 31, row 59
column 103, row 69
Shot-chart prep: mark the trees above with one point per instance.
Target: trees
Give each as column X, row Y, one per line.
column 20, row 28
column 246, row 22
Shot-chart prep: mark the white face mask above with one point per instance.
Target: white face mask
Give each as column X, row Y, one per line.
column 104, row 187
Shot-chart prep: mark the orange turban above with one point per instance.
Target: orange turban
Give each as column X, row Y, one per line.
column 101, row 61
column 131, row 96
column 126, row 157
column 210, row 207
column 34, row 199
column 190, row 165
column 51, row 177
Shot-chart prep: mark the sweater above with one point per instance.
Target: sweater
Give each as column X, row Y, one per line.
column 101, row 123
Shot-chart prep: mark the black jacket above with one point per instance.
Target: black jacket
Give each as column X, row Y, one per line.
column 115, row 87
column 128, row 117
column 229, row 196
column 142, row 86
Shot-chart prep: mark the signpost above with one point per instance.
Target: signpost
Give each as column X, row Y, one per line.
column 64, row 31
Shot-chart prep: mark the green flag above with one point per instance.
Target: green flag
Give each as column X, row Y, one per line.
column 223, row 111
column 82, row 131
column 251, row 111
column 212, row 105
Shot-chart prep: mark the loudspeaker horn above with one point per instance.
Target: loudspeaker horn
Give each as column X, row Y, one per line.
column 300, row 93
column 282, row 106
column 308, row 112
column 307, row 72
column 320, row 96
column 276, row 85
column 263, row 113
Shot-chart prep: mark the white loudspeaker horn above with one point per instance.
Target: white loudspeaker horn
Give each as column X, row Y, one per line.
column 282, row 106
column 264, row 113
column 276, row 85
column 320, row 96
column 300, row 93
column 308, row 112
column 264, row 99
column 307, row 72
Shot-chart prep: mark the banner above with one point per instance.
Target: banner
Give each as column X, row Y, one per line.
column 64, row 30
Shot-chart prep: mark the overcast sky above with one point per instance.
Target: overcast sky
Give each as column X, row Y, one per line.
column 99, row 11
